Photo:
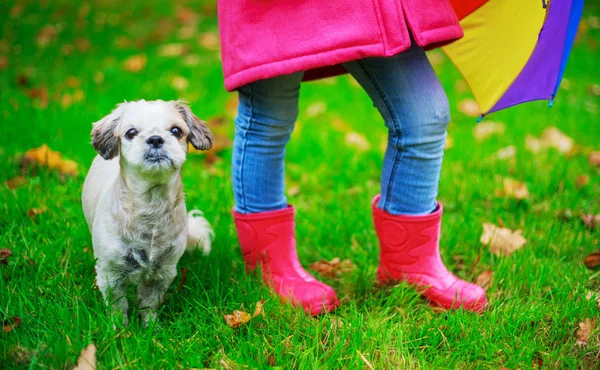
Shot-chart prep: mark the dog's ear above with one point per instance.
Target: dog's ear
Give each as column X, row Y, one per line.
column 105, row 138
column 200, row 136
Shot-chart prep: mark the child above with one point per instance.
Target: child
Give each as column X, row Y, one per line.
column 268, row 48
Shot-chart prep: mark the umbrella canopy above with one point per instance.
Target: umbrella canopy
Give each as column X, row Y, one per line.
column 514, row 51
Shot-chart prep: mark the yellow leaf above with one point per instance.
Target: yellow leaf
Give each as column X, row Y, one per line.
column 502, row 241
column 172, row 50
column 506, row 153
column 484, row 130
column 46, row 157
column 515, row 189
column 179, row 83
column 135, row 63
column 485, row 279
column 237, row 318
column 358, row 141
column 87, row 359
column 469, row 107
column 259, row 308
column 554, row 138
column 315, row 109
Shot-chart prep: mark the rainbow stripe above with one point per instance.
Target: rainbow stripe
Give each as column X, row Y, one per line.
column 514, row 51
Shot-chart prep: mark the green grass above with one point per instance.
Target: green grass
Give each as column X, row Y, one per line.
column 536, row 302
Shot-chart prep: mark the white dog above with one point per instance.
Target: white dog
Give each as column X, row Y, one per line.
column 133, row 200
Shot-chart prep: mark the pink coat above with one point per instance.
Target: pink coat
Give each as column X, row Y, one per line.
column 267, row 38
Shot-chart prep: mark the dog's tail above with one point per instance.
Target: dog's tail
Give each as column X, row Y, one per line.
column 200, row 233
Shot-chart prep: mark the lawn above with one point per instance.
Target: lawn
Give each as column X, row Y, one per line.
column 64, row 66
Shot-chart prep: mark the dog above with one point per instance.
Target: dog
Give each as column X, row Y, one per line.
column 133, row 200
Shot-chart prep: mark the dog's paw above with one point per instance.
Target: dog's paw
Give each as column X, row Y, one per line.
column 200, row 233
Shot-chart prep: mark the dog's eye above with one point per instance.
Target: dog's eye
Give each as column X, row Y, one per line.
column 177, row 132
column 130, row 134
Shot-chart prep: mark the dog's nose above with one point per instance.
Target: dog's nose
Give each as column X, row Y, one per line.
column 156, row 141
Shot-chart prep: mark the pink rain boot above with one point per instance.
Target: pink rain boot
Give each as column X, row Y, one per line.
column 409, row 251
column 267, row 238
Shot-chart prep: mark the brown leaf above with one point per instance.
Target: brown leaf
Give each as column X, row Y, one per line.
column 209, row 40
column 72, row 82
column 581, row 181
column 180, row 83
column 592, row 260
column 15, row 182
column 485, row 279
column 554, row 138
column 333, row 268
column 487, row 129
column 237, row 318
column 135, row 63
column 184, row 273
column 515, row 189
column 506, row 153
column 591, row 221
column 357, row 141
column 12, row 324
column 33, row 212
column 39, row 94
column 172, row 50
column 449, row 142
column 293, row 190
column 4, row 254
column 259, row 308
column 469, row 107
column 46, row 35
column 45, row 156
column 316, row 109
column 3, row 62
column 82, row 44
column 502, row 241
column 87, row 358
column 585, row 329
column 594, row 89
column 594, row 159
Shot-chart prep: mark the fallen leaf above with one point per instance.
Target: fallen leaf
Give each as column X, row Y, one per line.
column 585, row 329
column 435, row 57
column 87, row 358
column 594, row 89
column 592, row 260
column 15, row 182
column 21, row 356
column 333, row 268
column 461, row 86
column 449, row 143
column 484, row 130
column 594, row 159
column 3, row 62
column 179, row 83
column 506, row 153
column 4, row 254
column 591, row 221
column 39, row 94
column 581, row 181
column 82, row 44
column 46, row 157
column 66, row 100
column 33, row 212
column 533, row 144
column 209, row 40
column 46, row 35
column 72, row 82
column 485, row 279
column 98, row 77
column 469, row 107
column 502, row 241
column 554, row 138
column 515, row 189
column 595, row 296
column 135, row 63
column 259, row 308
column 357, row 141
column 184, row 273
column 293, row 190
column 191, row 60
column 172, row 50
column 237, row 318
column 315, row 109
column 12, row 324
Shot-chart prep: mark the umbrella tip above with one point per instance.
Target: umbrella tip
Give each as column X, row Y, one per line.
column 550, row 102
column 480, row 118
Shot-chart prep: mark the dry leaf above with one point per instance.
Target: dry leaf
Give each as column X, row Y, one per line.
column 209, row 40
column 12, row 324
column 39, row 94
column 87, row 358
column 82, row 44
column 594, row 159
column 72, row 82
column 449, row 143
column 485, row 279
column 191, row 60
column 179, row 83
column 316, row 109
column 515, row 189
column 595, row 296
column 502, row 241
column 15, row 182
column 591, row 221
column 184, row 273
column 293, row 190
column 33, row 212
column 3, row 62
column 581, row 181
column 469, row 107
column 237, row 318
column 533, row 144
column 333, row 268
column 506, row 153
column 98, row 77
column 46, row 35
column 135, row 63
column 585, row 329
column 554, row 138
column 592, row 260
column 357, row 141
column 484, row 130
column 172, row 50
column 259, row 308
column 435, row 57
column 4, row 254
column 594, row 89
column 44, row 156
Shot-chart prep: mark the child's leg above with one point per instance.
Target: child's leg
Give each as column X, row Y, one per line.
column 264, row 222
column 407, row 217
column 409, row 96
column 267, row 113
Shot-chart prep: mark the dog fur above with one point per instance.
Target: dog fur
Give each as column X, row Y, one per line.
column 133, row 200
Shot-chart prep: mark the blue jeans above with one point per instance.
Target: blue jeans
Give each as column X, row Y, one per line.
column 408, row 95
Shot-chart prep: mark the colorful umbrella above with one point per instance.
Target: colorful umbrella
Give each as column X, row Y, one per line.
column 514, row 51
